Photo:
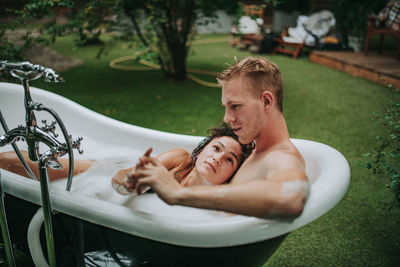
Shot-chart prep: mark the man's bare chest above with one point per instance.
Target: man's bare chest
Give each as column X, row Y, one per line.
column 250, row 170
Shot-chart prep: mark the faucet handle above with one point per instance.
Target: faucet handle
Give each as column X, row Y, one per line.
column 26, row 75
column 52, row 76
column 50, row 127
column 76, row 143
column 25, row 70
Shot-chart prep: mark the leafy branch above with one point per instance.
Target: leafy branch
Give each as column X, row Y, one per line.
column 386, row 155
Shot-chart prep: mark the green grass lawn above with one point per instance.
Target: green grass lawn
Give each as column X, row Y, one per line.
column 320, row 104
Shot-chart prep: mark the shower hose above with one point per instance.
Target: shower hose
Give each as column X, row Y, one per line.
column 153, row 66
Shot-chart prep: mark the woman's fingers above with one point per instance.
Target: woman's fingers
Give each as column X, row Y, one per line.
column 145, row 155
column 121, row 182
column 152, row 161
column 141, row 177
column 143, row 159
column 124, row 182
column 121, row 189
column 148, row 152
column 147, row 160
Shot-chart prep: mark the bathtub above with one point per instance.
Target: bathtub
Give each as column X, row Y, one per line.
column 146, row 231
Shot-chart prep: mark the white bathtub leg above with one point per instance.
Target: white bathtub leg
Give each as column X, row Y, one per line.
column 34, row 244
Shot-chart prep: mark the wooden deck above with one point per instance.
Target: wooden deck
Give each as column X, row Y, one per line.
column 380, row 68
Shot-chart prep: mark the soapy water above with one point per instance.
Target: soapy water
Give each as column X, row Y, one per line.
column 96, row 181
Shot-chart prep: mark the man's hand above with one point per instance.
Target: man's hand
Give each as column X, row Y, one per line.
column 154, row 174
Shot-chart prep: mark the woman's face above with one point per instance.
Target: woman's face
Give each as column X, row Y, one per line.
column 219, row 160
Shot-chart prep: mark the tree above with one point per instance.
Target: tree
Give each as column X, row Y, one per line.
column 172, row 24
column 166, row 26
column 86, row 19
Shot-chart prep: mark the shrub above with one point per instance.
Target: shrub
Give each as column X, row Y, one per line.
column 352, row 16
column 386, row 155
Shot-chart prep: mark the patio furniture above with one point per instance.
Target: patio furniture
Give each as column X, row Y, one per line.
column 288, row 48
column 387, row 22
column 249, row 30
column 310, row 31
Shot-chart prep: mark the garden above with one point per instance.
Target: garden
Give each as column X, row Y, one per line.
column 321, row 104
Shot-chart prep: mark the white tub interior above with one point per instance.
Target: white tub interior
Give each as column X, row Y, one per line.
column 147, row 216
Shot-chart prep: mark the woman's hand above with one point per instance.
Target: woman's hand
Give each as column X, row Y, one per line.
column 122, row 181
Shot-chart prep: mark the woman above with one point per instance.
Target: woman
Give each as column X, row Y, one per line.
column 213, row 161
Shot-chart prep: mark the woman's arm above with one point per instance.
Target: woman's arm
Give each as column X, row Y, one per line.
column 175, row 158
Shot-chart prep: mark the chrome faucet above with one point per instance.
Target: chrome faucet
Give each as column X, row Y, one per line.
column 31, row 132
column 29, row 71
column 33, row 135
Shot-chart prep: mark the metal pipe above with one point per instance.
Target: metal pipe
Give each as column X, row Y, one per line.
column 4, row 230
column 16, row 149
column 47, row 207
column 69, row 147
column 30, row 122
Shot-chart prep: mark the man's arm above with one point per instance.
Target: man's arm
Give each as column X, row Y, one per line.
column 281, row 194
column 260, row 198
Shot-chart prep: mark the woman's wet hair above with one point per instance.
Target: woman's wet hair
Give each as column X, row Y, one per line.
column 220, row 131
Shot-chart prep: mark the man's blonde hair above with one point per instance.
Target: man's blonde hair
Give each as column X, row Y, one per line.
column 263, row 75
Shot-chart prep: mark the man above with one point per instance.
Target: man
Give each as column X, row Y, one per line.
column 272, row 182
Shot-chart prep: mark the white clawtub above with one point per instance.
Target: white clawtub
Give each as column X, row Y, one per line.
column 146, row 217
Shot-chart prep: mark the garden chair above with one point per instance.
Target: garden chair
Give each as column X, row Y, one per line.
column 309, row 32
column 387, row 22
column 289, row 47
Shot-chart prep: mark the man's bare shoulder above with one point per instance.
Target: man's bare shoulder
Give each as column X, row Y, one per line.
column 284, row 154
column 285, row 161
column 281, row 162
